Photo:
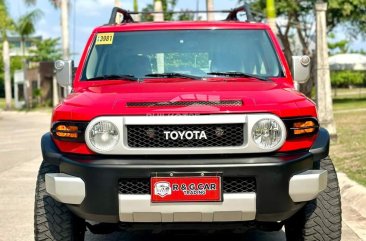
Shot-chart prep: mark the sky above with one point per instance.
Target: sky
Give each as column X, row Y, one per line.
column 88, row 14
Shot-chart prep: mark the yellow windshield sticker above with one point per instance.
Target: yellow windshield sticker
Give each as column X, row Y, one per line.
column 104, row 38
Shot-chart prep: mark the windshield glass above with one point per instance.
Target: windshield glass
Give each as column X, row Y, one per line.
column 189, row 52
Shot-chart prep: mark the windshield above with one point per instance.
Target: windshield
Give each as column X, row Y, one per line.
column 201, row 53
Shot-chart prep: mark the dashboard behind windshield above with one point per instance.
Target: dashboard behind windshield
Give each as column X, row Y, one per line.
column 190, row 52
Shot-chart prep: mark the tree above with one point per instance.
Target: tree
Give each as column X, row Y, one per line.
column 210, row 7
column 186, row 16
column 298, row 18
column 64, row 6
column 46, row 50
column 6, row 24
column 168, row 6
column 24, row 26
column 337, row 47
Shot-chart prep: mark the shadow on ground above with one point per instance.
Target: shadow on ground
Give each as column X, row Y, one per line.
column 190, row 236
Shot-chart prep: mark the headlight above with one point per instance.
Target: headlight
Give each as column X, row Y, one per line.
column 267, row 133
column 103, row 135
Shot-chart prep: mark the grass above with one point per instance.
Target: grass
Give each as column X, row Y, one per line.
column 349, row 152
column 349, row 103
column 2, row 103
column 348, row 93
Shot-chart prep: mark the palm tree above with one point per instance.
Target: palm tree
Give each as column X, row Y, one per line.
column 64, row 7
column 210, row 7
column 6, row 24
column 25, row 26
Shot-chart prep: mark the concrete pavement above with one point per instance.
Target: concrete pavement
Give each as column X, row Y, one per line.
column 20, row 158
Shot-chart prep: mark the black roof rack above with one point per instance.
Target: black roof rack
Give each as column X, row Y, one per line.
column 232, row 14
column 245, row 8
column 126, row 16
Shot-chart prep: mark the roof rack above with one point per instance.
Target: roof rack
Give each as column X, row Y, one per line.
column 127, row 18
column 245, row 8
column 232, row 14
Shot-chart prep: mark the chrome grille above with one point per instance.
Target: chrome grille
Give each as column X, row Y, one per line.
column 155, row 136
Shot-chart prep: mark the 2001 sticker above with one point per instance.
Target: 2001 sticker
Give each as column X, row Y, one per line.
column 104, row 38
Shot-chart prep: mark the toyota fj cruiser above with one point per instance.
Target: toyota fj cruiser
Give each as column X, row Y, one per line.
column 185, row 125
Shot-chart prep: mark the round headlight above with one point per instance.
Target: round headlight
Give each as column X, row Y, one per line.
column 104, row 135
column 267, row 133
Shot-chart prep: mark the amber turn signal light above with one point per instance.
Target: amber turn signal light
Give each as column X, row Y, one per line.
column 304, row 127
column 299, row 127
column 69, row 131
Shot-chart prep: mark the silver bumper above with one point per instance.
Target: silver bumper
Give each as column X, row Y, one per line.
column 235, row 207
column 65, row 188
column 307, row 185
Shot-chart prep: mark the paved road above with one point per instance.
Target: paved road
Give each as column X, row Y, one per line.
column 19, row 161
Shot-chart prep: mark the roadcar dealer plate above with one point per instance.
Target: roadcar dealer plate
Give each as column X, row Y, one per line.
column 186, row 189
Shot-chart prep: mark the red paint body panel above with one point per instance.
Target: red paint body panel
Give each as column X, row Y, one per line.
column 100, row 98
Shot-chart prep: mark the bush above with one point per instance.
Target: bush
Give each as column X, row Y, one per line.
column 346, row 78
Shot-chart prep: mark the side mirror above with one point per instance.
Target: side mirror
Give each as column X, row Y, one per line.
column 301, row 68
column 64, row 72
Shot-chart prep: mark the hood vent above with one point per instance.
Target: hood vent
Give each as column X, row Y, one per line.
column 224, row 103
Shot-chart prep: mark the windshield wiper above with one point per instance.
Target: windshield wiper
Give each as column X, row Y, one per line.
column 174, row 75
column 115, row 77
column 238, row 74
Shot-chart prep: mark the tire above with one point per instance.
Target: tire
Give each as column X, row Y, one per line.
column 52, row 220
column 320, row 219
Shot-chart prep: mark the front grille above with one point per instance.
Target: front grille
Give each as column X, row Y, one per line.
column 222, row 103
column 229, row 184
column 239, row 184
column 203, row 135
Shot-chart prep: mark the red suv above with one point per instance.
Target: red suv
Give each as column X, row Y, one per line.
column 184, row 124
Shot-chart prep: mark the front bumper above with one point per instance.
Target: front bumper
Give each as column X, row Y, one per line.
column 276, row 175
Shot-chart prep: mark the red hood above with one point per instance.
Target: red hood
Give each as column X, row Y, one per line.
column 111, row 98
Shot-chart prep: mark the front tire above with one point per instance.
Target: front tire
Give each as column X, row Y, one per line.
column 320, row 219
column 53, row 221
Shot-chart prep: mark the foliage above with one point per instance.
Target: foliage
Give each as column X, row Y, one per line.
column 146, row 16
column 55, row 3
column 186, row 16
column 168, row 8
column 349, row 12
column 24, row 26
column 346, row 78
column 361, row 51
column 300, row 19
column 46, row 50
column 15, row 64
column 37, row 92
column 6, row 22
column 337, row 47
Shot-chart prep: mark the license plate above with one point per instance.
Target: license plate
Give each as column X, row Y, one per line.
column 186, row 189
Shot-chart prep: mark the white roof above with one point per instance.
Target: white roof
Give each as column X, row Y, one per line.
column 347, row 62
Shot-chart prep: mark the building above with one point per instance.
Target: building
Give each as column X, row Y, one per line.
column 16, row 46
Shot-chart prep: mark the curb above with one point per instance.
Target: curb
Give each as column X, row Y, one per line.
column 353, row 193
column 353, row 205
